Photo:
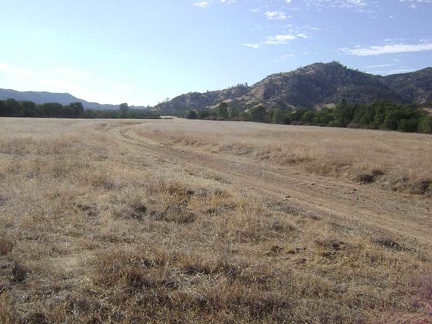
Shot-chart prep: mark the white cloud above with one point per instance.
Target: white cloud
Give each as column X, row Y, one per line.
column 388, row 49
column 277, row 40
column 275, row 15
column 413, row 3
column 356, row 5
column 202, row 4
column 205, row 4
column 280, row 39
column 378, row 66
column 251, row 45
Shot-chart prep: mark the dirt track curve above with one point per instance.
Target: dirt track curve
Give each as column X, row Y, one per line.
column 366, row 205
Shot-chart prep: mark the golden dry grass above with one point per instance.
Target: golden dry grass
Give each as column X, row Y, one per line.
column 399, row 161
column 103, row 221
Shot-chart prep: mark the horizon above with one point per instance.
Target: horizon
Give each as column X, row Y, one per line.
column 132, row 105
column 146, row 53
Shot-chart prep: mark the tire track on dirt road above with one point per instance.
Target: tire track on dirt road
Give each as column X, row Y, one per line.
column 369, row 206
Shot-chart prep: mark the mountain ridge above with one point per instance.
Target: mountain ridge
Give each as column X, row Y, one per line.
column 41, row 97
column 313, row 86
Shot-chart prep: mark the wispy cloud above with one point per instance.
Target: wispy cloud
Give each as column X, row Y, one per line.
column 413, row 3
column 205, row 4
column 388, row 49
column 251, row 45
column 356, row 5
column 275, row 15
column 283, row 58
column 202, row 4
column 277, row 40
column 378, row 66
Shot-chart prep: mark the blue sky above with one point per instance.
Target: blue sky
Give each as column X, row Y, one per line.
column 143, row 52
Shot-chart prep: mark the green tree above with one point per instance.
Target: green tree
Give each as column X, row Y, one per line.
column 222, row 111
column 192, row 114
column 258, row 113
column 2, row 108
column 124, row 109
column 323, row 117
column 278, row 117
column 307, row 117
column 425, row 125
column 245, row 116
column 12, row 107
column 77, row 109
column 51, row 109
column 234, row 113
column 28, row 109
column 408, row 125
column 343, row 114
column 204, row 114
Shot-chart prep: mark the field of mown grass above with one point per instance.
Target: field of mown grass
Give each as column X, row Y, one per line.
column 94, row 230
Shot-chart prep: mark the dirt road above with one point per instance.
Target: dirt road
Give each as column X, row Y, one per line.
column 374, row 209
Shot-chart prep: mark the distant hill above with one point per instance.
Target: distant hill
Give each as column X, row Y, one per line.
column 313, row 86
column 61, row 98
column 414, row 86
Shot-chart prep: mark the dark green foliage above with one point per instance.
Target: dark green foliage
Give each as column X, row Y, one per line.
column 192, row 114
column 130, row 114
column 222, row 111
column 51, row 109
column 234, row 113
column 278, row 117
column 13, row 108
column 425, row 125
column 2, row 108
column 383, row 115
column 245, row 116
column 28, row 109
column 343, row 114
column 324, row 117
column 124, row 109
column 258, row 113
column 204, row 114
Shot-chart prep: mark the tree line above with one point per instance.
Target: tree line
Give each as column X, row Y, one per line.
column 14, row 108
column 384, row 115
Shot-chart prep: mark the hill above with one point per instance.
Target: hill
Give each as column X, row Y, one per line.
column 414, row 86
column 313, row 86
column 61, row 98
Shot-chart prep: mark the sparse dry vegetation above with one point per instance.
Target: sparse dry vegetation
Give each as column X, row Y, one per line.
column 397, row 162
column 181, row 221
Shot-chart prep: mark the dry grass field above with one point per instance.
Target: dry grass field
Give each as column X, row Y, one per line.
column 213, row 222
